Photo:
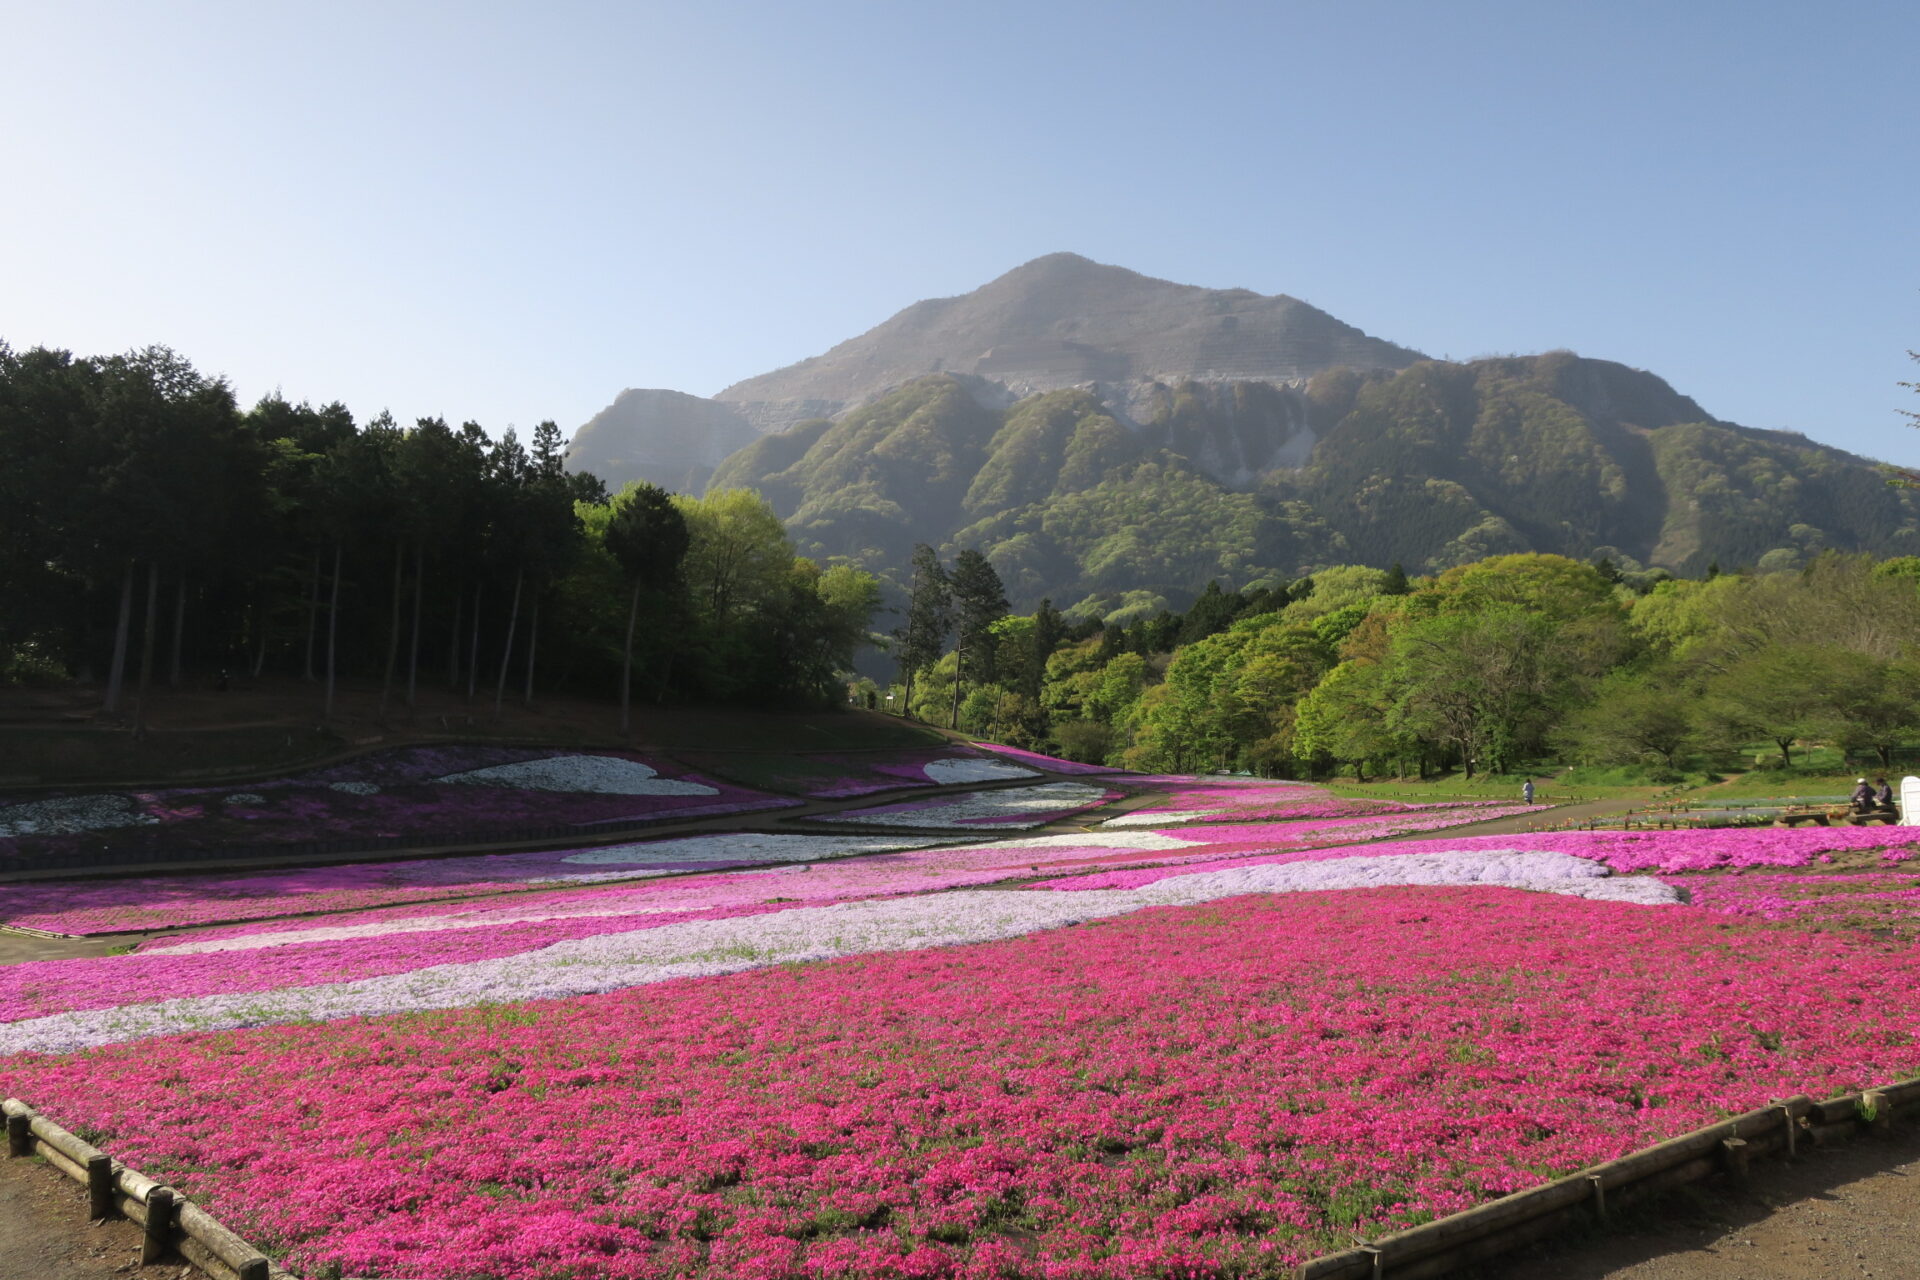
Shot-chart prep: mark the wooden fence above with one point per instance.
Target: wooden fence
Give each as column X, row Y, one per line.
column 173, row 1224
column 1448, row 1244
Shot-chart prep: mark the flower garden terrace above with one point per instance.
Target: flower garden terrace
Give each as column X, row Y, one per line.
column 1204, row 1026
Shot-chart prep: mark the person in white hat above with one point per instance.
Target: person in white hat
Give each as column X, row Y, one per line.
column 1862, row 798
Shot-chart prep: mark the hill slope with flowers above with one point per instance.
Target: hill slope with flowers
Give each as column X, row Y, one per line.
column 1208, row 1026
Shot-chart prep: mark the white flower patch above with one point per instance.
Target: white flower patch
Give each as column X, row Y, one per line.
column 742, row 846
column 1149, row 841
column 1015, row 808
column 68, row 815
column 1514, row 869
column 1168, row 818
column 610, row 962
column 603, row 775
column 946, row 771
column 244, row 800
column 355, row 788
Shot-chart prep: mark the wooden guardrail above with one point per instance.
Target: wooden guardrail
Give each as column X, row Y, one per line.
column 172, row 1223
column 1448, row 1244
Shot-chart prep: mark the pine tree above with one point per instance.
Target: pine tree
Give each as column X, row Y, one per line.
column 979, row 601
column 923, row 636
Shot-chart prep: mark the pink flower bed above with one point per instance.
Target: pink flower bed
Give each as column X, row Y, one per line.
column 1211, row 1091
column 398, row 793
column 160, row 902
column 1195, row 799
column 1622, row 851
column 1863, row 900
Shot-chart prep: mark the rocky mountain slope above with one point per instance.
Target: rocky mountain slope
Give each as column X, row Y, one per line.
column 1114, row 441
column 1058, row 321
column 1063, row 321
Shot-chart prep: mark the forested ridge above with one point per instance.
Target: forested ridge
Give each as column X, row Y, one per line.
column 1432, row 466
column 1493, row 665
column 151, row 532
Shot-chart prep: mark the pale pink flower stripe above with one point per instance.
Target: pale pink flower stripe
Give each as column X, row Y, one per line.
column 1053, row 763
column 40, row 988
column 156, row 902
column 1622, row 851
column 1012, row 807
column 842, row 775
column 840, row 880
column 1179, row 1092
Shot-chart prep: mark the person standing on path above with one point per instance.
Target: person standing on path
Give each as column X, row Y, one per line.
column 1526, row 791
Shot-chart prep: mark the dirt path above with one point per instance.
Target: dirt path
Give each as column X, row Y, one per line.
column 1529, row 821
column 1844, row 1211
column 45, row 1235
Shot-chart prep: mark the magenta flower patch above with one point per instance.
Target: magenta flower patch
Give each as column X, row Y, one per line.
column 1176, row 1091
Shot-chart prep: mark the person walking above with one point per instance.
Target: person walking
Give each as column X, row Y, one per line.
column 1526, row 791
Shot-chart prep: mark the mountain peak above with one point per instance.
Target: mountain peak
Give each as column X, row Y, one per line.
column 1065, row 320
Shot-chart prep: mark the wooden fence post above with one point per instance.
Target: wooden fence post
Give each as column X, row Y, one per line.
column 99, row 1187
column 158, row 1241
column 1881, row 1107
column 1734, row 1158
column 19, row 1136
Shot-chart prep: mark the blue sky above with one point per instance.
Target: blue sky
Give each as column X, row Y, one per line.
column 511, row 212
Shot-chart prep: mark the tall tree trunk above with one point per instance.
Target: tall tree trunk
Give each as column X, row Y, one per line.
column 313, row 613
column 533, row 639
column 473, row 653
column 260, row 641
column 146, row 646
column 419, row 589
column 393, row 630
column 117, row 671
column 453, row 639
column 333, row 628
column 959, row 665
column 179, row 626
column 506, row 653
column 626, row 666
column 906, row 707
